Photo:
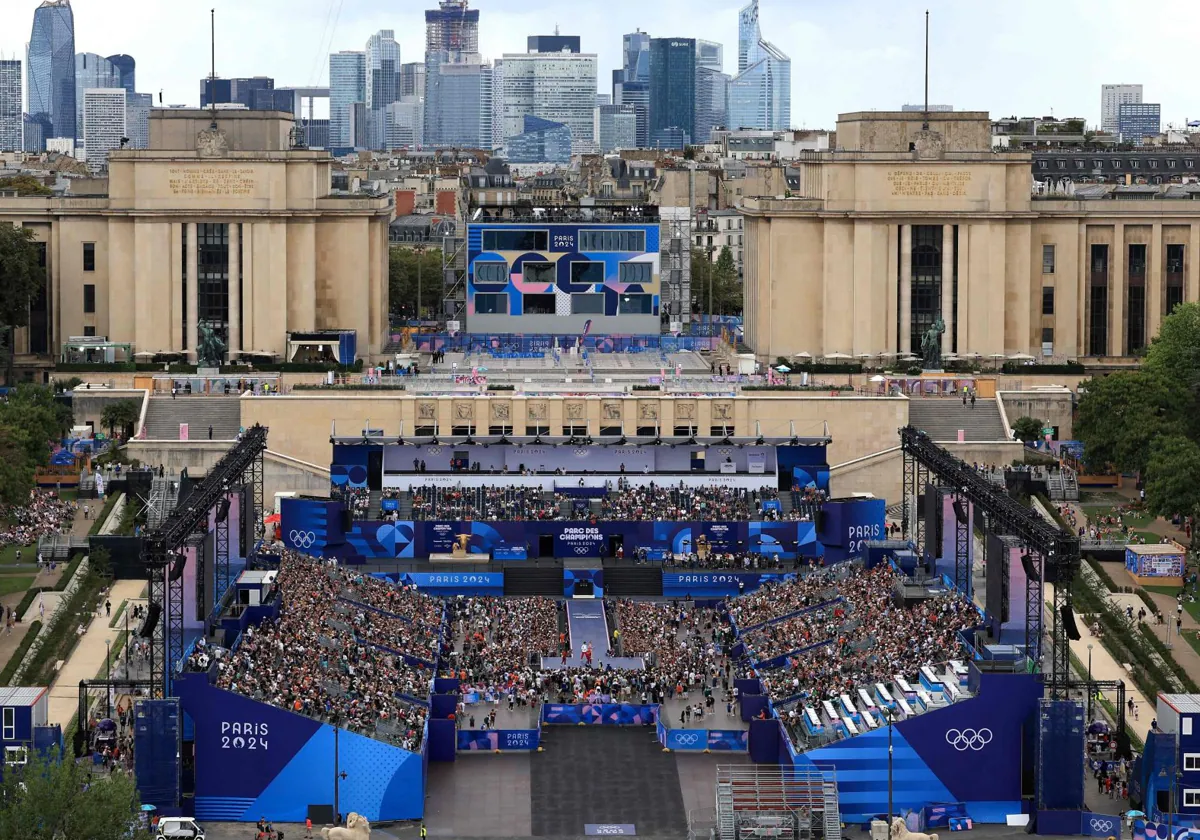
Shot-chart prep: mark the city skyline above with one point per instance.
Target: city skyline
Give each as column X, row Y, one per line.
column 845, row 56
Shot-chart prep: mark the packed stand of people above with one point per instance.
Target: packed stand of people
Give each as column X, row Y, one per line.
column 681, row 645
column 745, row 560
column 496, row 639
column 45, row 515
column 482, row 503
column 356, row 499
column 774, row 600
column 656, row 502
column 811, row 627
column 882, row 640
column 318, row 661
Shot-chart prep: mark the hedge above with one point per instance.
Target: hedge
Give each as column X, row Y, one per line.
column 1162, row 650
column 347, row 387
column 14, row 661
column 227, row 370
column 61, row 639
column 1149, row 599
column 1104, row 576
column 818, row 388
column 1124, row 646
column 1019, row 368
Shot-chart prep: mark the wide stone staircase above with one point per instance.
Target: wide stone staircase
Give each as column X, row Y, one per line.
column 942, row 418
column 164, row 415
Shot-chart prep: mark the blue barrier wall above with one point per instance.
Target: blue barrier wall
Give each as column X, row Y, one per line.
column 601, row 714
column 944, row 755
column 848, row 523
column 255, row 760
column 502, row 740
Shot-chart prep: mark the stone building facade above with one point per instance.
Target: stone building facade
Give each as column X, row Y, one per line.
column 909, row 221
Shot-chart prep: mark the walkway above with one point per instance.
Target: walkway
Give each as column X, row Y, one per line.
column 10, row 642
column 87, row 660
column 586, row 623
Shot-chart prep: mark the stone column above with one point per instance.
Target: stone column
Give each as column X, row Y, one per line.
column 948, row 288
column 1156, row 283
column 906, row 289
column 1118, row 282
column 193, row 290
column 235, row 293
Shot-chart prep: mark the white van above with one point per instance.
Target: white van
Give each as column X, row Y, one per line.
column 178, row 828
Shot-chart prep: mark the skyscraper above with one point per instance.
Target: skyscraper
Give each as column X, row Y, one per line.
column 103, row 124
column 137, row 119
column 559, row 87
column 11, row 121
column 1112, row 97
column 347, row 86
column 464, row 91
column 712, row 90
column 616, row 128
column 127, row 68
column 540, row 141
column 382, row 82
column 760, row 96
column 241, row 91
column 412, row 80
column 451, row 36
column 552, row 43
column 672, row 91
column 631, row 83
column 51, row 62
column 91, row 72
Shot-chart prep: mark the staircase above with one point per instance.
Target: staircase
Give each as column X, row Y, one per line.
column 373, row 500
column 1063, row 485
column 164, row 493
column 164, row 415
column 942, row 418
column 537, row 580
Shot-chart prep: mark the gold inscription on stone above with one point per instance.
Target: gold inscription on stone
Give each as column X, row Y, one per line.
column 928, row 183
column 212, row 180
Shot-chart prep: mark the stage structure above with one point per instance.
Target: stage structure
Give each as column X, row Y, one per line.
column 1052, row 554
column 205, row 509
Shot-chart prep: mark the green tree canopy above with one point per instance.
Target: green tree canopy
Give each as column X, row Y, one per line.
column 21, row 279
column 120, row 415
column 725, row 286
column 1027, row 429
column 48, row 800
column 411, row 270
column 24, row 185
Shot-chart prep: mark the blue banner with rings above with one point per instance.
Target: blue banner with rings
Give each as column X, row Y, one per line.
column 687, row 739
column 1100, row 825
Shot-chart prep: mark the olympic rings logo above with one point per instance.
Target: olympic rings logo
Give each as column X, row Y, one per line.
column 581, row 453
column 968, row 739
column 581, row 549
column 687, row 738
column 302, row 539
column 1104, row 826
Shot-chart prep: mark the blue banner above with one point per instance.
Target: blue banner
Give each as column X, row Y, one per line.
column 848, row 524
column 687, row 739
column 389, row 504
column 1101, row 825
column 455, row 583
column 728, row 740
column 580, row 541
column 503, row 740
column 600, row 714
column 716, row 584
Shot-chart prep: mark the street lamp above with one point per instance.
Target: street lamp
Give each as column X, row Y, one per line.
column 890, row 720
column 107, row 677
column 1089, row 684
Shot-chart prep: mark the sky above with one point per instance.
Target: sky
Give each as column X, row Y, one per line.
column 1018, row 57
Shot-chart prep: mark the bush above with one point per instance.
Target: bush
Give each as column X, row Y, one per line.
column 819, row 388
column 1019, row 368
column 61, row 639
column 69, row 572
column 15, row 661
column 29, row 596
column 1148, row 599
column 1027, row 429
column 1161, row 649
column 645, row 387
column 347, row 387
column 1101, row 573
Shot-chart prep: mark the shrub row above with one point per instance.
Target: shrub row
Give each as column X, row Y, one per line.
column 1188, row 683
column 1124, row 645
column 61, row 638
column 819, row 388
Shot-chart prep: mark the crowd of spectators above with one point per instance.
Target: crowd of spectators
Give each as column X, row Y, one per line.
column 318, row 661
column 655, row 502
column 882, row 640
column 497, row 639
column 811, row 627
column 356, row 499
column 744, row 560
column 773, row 600
column 45, row 515
column 482, row 503
column 682, row 645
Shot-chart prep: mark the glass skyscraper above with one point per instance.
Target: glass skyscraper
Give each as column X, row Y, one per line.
column 760, row 96
column 451, row 37
column 382, row 82
column 51, row 62
column 126, row 68
column 347, row 85
column 672, row 91
column 11, row 122
column 92, row 72
column 631, row 83
column 558, row 87
column 541, row 141
column 464, row 92
column 712, row 90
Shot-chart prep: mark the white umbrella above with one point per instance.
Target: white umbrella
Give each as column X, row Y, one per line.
column 1021, row 357
column 969, row 355
column 877, row 378
column 783, row 369
column 995, row 355
column 910, row 358
column 838, row 356
column 865, row 356
column 804, row 355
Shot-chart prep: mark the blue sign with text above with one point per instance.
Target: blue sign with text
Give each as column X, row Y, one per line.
column 454, row 583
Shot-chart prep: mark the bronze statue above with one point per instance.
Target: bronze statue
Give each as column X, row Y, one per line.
column 931, row 345
column 210, row 349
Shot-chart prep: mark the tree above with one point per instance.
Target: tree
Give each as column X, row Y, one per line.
column 414, row 273
column 47, row 799
column 1171, row 485
column 122, row 414
column 1121, row 414
column 21, row 279
column 24, row 185
column 725, row 286
column 1028, row 429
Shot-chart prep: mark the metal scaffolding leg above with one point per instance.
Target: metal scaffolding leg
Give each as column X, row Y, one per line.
column 157, row 596
column 221, row 571
column 962, row 547
column 1034, row 612
column 173, row 616
column 908, row 482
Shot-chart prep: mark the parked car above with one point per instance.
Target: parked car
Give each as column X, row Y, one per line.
column 178, row 828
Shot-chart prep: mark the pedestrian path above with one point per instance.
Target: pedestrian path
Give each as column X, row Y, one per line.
column 586, row 623
column 88, row 658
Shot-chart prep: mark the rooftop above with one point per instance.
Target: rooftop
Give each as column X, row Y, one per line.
column 20, row 696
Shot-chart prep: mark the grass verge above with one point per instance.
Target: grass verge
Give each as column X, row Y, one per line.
column 15, row 583
column 11, row 667
column 62, row 638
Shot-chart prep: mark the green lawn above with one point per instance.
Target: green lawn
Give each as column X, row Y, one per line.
column 8, row 554
column 15, row 583
column 1193, row 639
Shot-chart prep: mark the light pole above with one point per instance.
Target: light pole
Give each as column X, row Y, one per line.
column 890, row 720
column 107, row 677
column 1089, row 684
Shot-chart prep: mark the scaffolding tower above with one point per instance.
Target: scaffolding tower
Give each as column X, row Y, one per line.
column 792, row 803
column 454, row 279
column 675, row 251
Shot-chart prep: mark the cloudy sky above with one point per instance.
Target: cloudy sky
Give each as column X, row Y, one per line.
column 1023, row 57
